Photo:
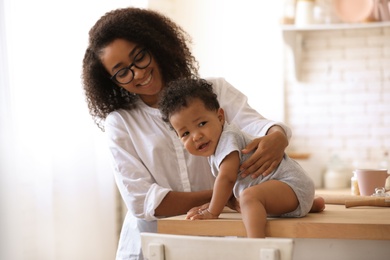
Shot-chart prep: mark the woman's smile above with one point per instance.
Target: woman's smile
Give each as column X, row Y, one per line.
column 146, row 82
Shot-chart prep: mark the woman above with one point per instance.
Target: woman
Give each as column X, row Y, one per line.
column 131, row 56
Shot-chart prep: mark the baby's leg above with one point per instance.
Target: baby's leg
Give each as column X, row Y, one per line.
column 270, row 197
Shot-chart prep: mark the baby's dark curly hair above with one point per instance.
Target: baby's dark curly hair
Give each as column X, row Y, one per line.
column 166, row 41
column 181, row 92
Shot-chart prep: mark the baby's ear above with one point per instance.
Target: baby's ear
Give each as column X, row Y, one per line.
column 221, row 115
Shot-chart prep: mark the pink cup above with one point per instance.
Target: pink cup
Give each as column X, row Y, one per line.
column 370, row 179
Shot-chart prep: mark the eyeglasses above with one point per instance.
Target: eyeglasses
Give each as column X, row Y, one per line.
column 141, row 60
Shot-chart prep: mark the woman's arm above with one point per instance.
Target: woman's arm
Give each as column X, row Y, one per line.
column 178, row 203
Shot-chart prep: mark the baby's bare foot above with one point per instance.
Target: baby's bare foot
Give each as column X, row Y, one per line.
column 318, row 205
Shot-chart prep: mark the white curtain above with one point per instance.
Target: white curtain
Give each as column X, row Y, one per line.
column 58, row 197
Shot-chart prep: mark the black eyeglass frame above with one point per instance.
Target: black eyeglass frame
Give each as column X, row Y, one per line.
column 134, row 63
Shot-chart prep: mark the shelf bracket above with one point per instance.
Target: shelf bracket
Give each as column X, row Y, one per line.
column 294, row 41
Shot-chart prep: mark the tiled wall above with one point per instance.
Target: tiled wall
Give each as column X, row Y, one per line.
column 341, row 103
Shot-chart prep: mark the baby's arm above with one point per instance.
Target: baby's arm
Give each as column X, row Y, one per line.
column 223, row 186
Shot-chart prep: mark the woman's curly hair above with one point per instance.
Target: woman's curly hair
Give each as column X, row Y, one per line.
column 181, row 92
column 166, row 41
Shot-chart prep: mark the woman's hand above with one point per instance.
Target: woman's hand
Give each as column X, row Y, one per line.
column 269, row 153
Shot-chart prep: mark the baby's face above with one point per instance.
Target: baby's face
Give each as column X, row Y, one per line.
column 199, row 129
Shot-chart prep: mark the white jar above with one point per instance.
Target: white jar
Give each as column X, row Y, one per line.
column 304, row 12
column 354, row 185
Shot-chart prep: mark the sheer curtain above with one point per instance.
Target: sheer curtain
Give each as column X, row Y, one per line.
column 58, row 197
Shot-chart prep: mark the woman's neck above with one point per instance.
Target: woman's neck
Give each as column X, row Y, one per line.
column 151, row 101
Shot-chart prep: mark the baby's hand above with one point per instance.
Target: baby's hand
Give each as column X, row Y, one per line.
column 201, row 214
column 194, row 211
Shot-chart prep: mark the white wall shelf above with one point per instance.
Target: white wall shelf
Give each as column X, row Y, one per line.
column 339, row 26
column 293, row 36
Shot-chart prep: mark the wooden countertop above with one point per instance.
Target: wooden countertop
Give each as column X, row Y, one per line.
column 336, row 221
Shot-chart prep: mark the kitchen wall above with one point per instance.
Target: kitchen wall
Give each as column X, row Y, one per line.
column 240, row 41
column 340, row 105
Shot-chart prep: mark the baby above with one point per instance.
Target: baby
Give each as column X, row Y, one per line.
column 192, row 109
